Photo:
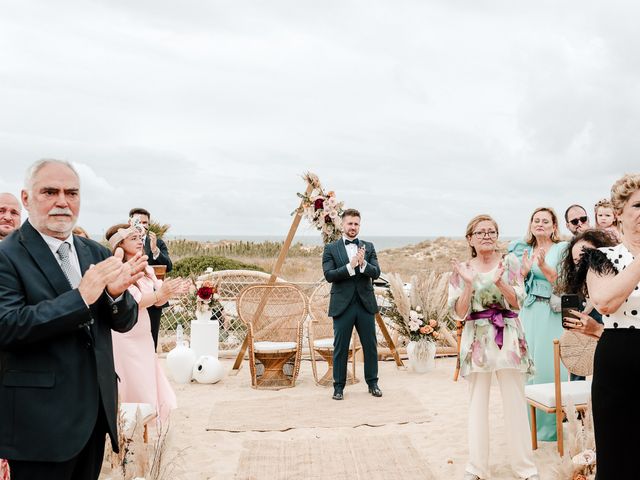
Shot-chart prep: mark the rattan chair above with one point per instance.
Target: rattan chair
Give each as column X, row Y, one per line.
column 274, row 315
column 547, row 396
column 321, row 337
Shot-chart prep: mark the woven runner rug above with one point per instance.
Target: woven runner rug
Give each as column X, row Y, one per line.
column 366, row 457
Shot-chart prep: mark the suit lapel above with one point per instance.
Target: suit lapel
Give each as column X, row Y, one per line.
column 342, row 251
column 44, row 258
column 84, row 255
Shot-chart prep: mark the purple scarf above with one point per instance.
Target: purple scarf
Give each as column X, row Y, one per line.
column 496, row 315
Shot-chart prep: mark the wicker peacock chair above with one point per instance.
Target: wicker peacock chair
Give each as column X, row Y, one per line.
column 274, row 315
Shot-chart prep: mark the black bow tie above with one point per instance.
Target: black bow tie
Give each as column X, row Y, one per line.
column 355, row 241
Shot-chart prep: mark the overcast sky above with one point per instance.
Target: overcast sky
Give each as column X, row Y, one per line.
column 419, row 113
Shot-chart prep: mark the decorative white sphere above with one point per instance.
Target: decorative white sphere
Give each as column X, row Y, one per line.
column 208, row 369
column 180, row 362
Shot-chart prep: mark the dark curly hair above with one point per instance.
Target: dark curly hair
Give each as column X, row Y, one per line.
column 572, row 277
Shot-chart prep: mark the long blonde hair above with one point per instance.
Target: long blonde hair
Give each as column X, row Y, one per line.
column 555, row 236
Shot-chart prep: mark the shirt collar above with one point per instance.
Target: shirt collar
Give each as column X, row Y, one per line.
column 54, row 243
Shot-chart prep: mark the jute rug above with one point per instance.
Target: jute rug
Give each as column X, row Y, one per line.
column 361, row 457
column 287, row 411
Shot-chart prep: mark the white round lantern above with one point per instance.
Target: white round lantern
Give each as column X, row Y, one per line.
column 208, row 369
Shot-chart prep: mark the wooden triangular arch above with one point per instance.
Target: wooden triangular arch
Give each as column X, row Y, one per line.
column 276, row 271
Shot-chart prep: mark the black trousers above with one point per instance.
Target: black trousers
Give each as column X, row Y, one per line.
column 155, row 313
column 84, row 466
column 616, row 417
column 354, row 315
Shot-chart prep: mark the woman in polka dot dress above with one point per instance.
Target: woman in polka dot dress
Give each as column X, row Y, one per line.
column 613, row 282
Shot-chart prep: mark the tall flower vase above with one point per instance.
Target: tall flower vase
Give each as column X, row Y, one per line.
column 422, row 356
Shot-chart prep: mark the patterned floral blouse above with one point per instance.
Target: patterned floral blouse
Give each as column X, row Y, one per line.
column 480, row 349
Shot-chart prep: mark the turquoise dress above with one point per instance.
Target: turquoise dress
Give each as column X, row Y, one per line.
column 541, row 326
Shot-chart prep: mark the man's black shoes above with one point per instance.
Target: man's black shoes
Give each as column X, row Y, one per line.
column 375, row 390
column 337, row 394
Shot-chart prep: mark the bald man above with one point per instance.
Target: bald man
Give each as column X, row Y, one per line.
column 10, row 212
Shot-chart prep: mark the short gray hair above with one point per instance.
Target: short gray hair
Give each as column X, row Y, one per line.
column 33, row 170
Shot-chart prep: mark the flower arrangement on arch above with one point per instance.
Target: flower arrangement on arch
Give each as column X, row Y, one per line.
column 321, row 209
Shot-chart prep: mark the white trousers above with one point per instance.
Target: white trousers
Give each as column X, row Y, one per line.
column 518, row 439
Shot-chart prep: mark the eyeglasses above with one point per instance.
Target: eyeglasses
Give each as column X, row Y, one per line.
column 577, row 220
column 492, row 234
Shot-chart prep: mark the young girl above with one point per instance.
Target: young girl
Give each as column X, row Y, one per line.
column 606, row 219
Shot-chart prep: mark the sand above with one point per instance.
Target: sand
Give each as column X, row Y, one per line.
column 428, row 446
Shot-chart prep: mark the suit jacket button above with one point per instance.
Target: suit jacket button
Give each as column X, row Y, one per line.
column 115, row 309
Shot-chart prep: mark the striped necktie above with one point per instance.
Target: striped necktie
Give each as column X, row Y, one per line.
column 65, row 262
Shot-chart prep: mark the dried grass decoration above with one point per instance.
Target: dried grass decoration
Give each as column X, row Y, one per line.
column 579, row 460
column 419, row 312
column 321, row 209
column 577, row 352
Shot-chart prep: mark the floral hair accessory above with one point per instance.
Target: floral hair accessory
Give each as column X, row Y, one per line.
column 121, row 234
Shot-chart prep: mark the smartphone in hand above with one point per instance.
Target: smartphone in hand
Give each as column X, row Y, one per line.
column 569, row 302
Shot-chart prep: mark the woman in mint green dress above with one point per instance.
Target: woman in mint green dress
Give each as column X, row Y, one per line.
column 542, row 252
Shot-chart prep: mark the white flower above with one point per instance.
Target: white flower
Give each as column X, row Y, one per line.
column 418, row 309
column 413, row 316
column 414, row 326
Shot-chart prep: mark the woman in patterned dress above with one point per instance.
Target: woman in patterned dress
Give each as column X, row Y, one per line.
column 484, row 294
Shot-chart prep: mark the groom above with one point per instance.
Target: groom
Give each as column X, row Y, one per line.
column 351, row 265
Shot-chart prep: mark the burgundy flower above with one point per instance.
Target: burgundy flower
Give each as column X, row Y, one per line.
column 327, row 219
column 205, row 293
column 318, row 204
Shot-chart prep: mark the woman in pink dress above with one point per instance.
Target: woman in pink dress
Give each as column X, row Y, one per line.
column 142, row 379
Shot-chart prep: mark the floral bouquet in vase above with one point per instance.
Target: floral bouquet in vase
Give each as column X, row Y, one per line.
column 208, row 300
column 419, row 314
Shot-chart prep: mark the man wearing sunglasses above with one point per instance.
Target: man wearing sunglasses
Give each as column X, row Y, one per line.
column 577, row 219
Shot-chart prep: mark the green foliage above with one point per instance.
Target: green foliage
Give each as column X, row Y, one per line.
column 193, row 266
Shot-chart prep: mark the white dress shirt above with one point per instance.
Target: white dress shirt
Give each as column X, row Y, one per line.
column 54, row 245
column 352, row 251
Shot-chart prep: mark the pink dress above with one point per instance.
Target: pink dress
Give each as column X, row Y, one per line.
column 142, row 379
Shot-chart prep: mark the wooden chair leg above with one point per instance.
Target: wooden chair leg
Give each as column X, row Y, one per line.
column 534, row 428
column 559, row 430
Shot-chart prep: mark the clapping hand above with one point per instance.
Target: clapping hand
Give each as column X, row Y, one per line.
column 360, row 256
column 466, row 272
column 153, row 241
column 540, row 256
column 497, row 276
column 132, row 270
column 172, row 288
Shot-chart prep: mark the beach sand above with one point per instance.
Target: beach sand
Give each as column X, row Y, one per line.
column 438, row 443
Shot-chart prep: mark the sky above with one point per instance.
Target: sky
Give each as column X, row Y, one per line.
column 421, row 114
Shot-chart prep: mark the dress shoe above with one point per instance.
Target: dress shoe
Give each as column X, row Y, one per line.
column 337, row 394
column 375, row 390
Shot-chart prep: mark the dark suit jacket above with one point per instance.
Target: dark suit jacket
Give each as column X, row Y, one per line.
column 344, row 286
column 56, row 358
column 163, row 258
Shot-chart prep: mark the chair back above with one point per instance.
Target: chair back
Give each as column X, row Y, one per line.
column 321, row 325
column 576, row 352
column 275, row 312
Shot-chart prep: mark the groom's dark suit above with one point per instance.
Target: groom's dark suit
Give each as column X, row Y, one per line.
column 155, row 313
column 353, row 303
column 57, row 380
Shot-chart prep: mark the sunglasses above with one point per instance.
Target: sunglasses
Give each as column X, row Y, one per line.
column 575, row 221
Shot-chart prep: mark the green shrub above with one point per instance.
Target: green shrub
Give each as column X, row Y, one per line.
column 193, row 266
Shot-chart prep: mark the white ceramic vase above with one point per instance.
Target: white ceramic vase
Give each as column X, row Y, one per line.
column 181, row 359
column 208, row 369
column 422, row 356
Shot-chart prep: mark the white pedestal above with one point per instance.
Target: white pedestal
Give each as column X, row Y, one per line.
column 205, row 336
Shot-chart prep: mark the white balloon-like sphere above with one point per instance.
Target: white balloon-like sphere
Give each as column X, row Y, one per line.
column 208, row 369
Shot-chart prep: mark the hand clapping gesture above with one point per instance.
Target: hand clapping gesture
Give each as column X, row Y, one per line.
column 466, row 271
column 112, row 274
column 172, row 288
column 497, row 277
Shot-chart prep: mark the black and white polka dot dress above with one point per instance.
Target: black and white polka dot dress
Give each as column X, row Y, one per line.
column 628, row 315
column 616, row 370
